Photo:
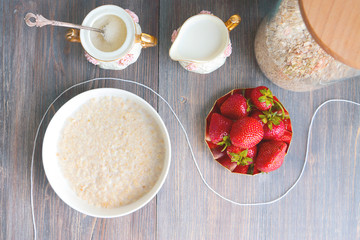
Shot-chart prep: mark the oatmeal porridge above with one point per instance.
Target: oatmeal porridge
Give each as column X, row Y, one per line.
column 111, row 151
column 289, row 56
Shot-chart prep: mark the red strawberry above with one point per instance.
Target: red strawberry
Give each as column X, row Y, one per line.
column 241, row 169
column 212, row 145
column 272, row 122
column 246, row 132
column 219, row 129
column 287, row 124
column 270, row 155
column 259, row 115
column 242, row 156
column 272, row 131
column 262, row 98
column 283, row 115
column 235, row 107
column 286, row 137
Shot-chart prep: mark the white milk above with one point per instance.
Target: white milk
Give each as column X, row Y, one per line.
column 201, row 38
column 114, row 33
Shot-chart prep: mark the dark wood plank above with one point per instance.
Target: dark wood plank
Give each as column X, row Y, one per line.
column 37, row 65
column 3, row 122
column 320, row 207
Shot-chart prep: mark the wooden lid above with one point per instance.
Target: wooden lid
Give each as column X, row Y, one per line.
column 335, row 26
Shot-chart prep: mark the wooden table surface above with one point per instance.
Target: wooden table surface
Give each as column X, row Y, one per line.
column 38, row 64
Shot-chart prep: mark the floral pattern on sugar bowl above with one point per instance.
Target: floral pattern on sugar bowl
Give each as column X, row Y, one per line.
column 129, row 51
column 120, row 64
column 195, row 64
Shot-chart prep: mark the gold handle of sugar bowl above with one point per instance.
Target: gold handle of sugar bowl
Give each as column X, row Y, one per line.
column 233, row 21
column 146, row 40
column 73, row 35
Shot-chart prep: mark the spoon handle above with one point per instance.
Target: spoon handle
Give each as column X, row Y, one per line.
column 38, row 20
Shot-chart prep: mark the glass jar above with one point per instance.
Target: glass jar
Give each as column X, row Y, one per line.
column 290, row 57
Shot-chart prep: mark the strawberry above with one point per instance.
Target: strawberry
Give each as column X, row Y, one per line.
column 270, row 155
column 286, row 137
column 246, row 132
column 259, row 115
column 285, row 118
column 273, row 131
column 212, row 145
column 287, row 124
column 241, row 169
column 219, row 130
column 235, row 107
column 272, row 123
column 242, row 156
column 262, row 98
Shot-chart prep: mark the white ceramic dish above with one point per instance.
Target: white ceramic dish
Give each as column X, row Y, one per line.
column 52, row 167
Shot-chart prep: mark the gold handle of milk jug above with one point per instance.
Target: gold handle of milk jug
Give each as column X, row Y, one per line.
column 73, row 35
column 146, row 40
column 233, row 21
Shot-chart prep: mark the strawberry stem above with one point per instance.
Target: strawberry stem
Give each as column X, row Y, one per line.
column 282, row 109
column 225, row 142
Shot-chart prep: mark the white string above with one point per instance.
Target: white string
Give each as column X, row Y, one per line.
column 187, row 140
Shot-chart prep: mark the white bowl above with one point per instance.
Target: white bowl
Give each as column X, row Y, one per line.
column 51, row 164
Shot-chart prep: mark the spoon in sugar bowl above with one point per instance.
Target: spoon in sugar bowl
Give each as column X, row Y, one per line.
column 37, row 20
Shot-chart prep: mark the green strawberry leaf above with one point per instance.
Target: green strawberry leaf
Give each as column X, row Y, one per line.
column 241, row 158
column 266, row 92
column 249, row 105
column 247, row 160
column 266, row 97
column 276, row 121
column 268, row 102
column 272, row 118
column 263, row 118
column 244, row 153
column 262, row 99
